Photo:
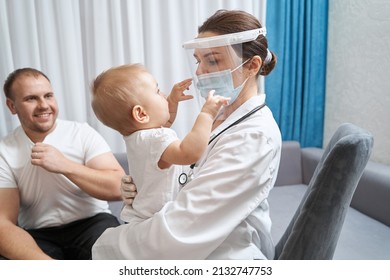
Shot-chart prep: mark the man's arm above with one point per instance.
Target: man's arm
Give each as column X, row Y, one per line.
column 15, row 242
column 100, row 177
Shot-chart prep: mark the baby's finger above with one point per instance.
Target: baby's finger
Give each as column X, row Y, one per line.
column 186, row 97
column 211, row 93
column 187, row 84
column 221, row 100
column 187, row 81
column 225, row 100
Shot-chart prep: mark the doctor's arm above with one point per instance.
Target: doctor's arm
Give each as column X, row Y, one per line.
column 15, row 242
column 205, row 211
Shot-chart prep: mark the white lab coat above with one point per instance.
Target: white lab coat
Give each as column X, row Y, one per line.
column 223, row 212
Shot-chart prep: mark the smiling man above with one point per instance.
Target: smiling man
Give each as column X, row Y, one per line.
column 55, row 177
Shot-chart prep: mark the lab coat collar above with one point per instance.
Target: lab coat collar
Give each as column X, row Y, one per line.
column 245, row 108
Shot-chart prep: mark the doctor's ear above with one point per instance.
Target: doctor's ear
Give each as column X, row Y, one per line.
column 255, row 64
column 139, row 114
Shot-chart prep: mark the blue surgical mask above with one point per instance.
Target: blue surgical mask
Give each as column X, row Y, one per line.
column 221, row 82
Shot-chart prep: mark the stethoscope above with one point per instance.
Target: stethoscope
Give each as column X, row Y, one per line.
column 183, row 177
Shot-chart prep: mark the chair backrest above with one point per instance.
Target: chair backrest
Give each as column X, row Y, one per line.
column 314, row 230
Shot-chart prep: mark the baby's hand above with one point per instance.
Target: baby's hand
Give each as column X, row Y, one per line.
column 214, row 103
column 177, row 93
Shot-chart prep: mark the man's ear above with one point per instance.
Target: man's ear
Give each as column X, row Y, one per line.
column 139, row 114
column 255, row 65
column 11, row 106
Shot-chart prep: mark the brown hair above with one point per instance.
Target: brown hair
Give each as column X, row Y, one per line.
column 114, row 94
column 12, row 77
column 232, row 21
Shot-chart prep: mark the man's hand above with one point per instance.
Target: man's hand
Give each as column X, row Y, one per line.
column 128, row 189
column 49, row 158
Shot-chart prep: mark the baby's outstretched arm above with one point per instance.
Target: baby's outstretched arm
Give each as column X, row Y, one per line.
column 191, row 148
column 177, row 95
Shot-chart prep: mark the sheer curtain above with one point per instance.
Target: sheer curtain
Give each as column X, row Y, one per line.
column 73, row 41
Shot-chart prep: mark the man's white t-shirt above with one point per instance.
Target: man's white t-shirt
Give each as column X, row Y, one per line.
column 48, row 199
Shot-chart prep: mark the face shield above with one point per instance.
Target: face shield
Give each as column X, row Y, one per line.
column 216, row 62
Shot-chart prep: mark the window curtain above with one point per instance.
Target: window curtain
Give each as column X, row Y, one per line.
column 73, row 41
column 297, row 33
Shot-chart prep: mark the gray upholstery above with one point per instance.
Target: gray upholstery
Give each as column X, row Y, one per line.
column 122, row 159
column 361, row 238
column 315, row 228
column 291, row 173
column 116, row 206
column 372, row 195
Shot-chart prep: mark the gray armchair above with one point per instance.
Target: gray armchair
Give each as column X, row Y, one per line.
column 314, row 230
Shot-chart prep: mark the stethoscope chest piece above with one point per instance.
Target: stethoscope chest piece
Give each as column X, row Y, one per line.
column 183, row 179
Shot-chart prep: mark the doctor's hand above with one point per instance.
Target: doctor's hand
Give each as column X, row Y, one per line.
column 128, row 189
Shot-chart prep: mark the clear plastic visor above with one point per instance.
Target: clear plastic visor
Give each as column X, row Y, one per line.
column 219, row 53
column 211, row 62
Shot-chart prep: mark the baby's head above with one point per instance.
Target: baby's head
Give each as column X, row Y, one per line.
column 120, row 94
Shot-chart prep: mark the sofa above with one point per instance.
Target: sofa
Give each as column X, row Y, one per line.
column 366, row 230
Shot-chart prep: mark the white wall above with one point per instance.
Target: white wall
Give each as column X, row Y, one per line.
column 358, row 70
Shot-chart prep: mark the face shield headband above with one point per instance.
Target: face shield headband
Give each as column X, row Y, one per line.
column 226, row 39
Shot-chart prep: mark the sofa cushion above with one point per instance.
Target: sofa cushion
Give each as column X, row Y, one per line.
column 122, row 159
column 361, row 238
column 372, row 195
column 290, row 170
column 283, row 202
column 310, row 158
column 116, row 208
column 314, row 230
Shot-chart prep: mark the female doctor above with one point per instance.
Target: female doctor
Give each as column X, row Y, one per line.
column 222, row 210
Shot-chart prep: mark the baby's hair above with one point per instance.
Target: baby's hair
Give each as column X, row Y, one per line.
column 114, row 94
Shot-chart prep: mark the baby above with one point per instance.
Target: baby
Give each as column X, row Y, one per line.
column 127, row 99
